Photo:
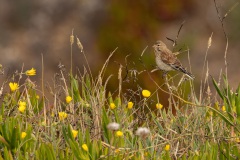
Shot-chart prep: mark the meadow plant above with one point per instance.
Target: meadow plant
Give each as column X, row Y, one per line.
column 78, row 117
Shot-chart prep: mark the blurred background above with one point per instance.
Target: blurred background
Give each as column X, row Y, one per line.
column 31, row 28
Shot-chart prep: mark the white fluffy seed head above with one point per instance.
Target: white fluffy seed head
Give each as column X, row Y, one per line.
column 143, row 132
column 113, row 126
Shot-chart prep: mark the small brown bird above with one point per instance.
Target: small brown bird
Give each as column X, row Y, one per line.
column 167, row 61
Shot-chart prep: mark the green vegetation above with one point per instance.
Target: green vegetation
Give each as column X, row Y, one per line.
column 85, row 121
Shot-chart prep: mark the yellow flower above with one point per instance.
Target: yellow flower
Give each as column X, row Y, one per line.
column 68, row 99
column 52, row 114
column 196, row 152
column 146, row 93
column 75, row 133
column 223, row 108
column 119, row 134
column 216, row 105
column 62, row 115
column 130, row 105
column 13, row 86
column 145, row 154
column 159, row 106
column 167, row 147
column 37, row 96
column 31, row 72
column 22, row 106
column 237, row 140
column 117, row 150
column 112, row 105
column 85, row 147
column 43, row 123
column 23, row 135
column 210, row 113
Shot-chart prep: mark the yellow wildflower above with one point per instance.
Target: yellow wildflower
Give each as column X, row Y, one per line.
column 216, row 105
column 112, row 105
column 43, row 123
column 145, row 154
column 146, row 93
column 119, row 134
column 31, row 72
column 210, row 113
column 23, row 135
column 117, row 150
column 52, row 114
column 85, row 147
column 237, row 140
column 196, row 152
column 68, row 99
column 223, row 108
column 75, row 133
column 159, row 106
column 13, row 86
column 130, row 105
column 22, row 106
column 62, row 115
column 37, row 96
column 167, row 147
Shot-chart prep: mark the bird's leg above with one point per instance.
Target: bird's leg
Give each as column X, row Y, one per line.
column 164, row 74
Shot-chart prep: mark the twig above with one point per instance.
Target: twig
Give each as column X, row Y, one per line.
column 179, row 30
column 230, row 10
column 144, row 50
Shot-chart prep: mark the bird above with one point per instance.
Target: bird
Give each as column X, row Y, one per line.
column 167, row 61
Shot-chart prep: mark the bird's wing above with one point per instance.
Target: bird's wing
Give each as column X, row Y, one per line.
column 169, row 58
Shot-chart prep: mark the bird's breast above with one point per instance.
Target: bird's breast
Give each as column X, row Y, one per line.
column 163, row 66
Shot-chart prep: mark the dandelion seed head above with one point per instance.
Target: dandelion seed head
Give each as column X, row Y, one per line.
column 113, row 126
column 143, row 132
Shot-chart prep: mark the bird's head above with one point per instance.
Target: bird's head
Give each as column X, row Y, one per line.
column 159, row 45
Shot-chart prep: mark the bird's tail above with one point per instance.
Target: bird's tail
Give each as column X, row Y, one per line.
column 181, row 69
column 190, row 75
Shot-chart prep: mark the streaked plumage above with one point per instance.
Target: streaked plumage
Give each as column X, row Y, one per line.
column 167, row 61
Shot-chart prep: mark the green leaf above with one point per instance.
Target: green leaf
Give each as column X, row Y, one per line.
column 4, row 141
column 222, row 116
column 237, row 99
column 7, row 154
column 217, row 88
column 105, row 122
column 15, row 137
